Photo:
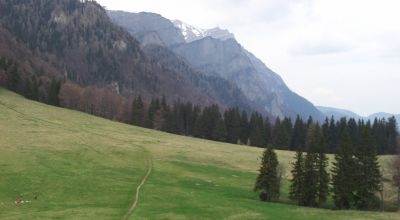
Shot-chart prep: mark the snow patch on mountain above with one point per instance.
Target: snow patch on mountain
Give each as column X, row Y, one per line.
column 192, row 33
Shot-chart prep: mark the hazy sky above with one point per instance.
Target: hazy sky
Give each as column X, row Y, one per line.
column 338, row 53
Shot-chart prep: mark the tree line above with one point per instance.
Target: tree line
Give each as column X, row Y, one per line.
column 239, row 127
column 229, row 125
column 355, row 179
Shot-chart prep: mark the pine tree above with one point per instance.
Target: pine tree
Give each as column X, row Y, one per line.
column 200, row 126
column 137, row 111
column 232, row 123
column 256, row 130
column 268, row 181
column 244, row 125
column 332, row 135
column 54, row 90
column 368, row 176
column 323, row 175
column 219, row 132
column 13, row 78
column 28, row 88
column 298, row 135
column 153, row 108
column 379, row 134
column 3, row 63
column 392, row 135
column 276, row 137
column 353, row 131
column 35, row 89
column 310, row 180
column 311, row 174
column 343, row 174
column 267, row 132
column 164, row 104
column 297, row 184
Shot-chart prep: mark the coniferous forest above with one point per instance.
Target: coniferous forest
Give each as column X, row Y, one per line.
column 240, row 127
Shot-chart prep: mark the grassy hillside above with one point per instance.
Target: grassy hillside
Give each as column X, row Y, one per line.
column 83, row 167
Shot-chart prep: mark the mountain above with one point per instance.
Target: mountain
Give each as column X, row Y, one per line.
column 78, row 43
column 216, row 53
column 155, row 46
column 338, row 113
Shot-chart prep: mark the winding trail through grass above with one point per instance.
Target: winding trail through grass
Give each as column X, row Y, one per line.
column 136, row 201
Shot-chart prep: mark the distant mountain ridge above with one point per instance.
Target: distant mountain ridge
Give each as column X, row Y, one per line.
column 338, row 113
column 217, row 53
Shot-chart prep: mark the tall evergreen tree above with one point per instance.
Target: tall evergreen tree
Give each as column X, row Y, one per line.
column 244, row 128
column 28, row 88
column 392, row 135
column 3, row 63
column 151, row 112
column 256, row 130
column 298, row 134
column 35, row 89
column 232, row 123
column 379, row 135
column 219, row 132
column 343, row 174
column 368, row 177
column 310, row 196
column 268, row 181
column 54, row 90
column 267, row 132
column 321, row 167
column 282, row 133
column 297, row 183
column 164, row 104
column 333, row 134
column 13, row 78
column 137, row 111
column 200, row 125
column 353, row 131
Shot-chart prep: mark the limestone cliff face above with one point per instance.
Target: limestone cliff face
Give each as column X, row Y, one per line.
column 229, row 60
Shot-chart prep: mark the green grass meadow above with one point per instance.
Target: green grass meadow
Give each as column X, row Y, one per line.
column 84, row 167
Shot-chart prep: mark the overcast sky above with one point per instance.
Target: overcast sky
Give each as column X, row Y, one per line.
column 337, row 53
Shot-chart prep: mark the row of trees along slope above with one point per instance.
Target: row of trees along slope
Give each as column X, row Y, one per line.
column 235, row 126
